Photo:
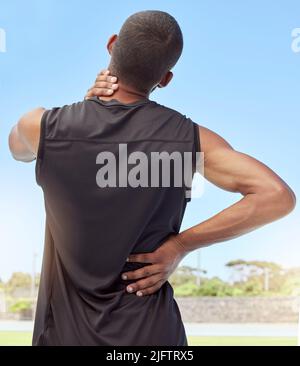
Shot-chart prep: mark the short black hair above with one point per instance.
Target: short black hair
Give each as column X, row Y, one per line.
column 148, row 45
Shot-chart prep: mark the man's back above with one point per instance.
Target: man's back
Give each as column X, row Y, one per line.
column 91, row 229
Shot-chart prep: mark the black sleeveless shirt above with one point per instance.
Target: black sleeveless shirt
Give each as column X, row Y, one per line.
column 91, row 230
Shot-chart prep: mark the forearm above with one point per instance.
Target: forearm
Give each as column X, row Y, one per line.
column 248, row 214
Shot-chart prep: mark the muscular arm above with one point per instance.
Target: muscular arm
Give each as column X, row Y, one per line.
column 266, row 197
column 24, row 136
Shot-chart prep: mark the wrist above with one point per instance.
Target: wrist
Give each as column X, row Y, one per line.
column 178, row 240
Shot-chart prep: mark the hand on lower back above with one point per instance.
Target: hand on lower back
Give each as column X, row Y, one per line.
column 162, row 263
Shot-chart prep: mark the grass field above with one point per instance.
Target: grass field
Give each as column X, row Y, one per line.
column 242, row 341
column 24, row 339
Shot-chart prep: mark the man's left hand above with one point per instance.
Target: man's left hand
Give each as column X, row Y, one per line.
column 163, row 262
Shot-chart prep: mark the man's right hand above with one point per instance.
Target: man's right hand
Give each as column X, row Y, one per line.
column 105, row 85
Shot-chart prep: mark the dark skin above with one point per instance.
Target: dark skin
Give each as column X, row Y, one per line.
column 124, row 93
column 265, row 196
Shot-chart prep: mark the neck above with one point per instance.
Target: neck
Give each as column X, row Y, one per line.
column 126, row 95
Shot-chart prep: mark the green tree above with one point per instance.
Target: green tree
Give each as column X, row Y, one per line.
column 18, row 280
column 183, row 274
column 257, row 273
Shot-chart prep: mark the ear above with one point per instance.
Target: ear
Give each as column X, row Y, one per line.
column 110, row 43
column 165, row 80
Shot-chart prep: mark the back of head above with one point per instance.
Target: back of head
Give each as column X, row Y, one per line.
column 148, row 45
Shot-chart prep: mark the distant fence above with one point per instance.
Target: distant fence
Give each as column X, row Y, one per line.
column 222, row 310
column 239, row 309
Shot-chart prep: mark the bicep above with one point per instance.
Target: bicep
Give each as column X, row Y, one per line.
column 232, row 170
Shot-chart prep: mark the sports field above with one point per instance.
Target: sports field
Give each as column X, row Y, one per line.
column 11, row 338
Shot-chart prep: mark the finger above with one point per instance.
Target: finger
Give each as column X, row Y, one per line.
column 144, row 283
column 110, row 79
column 98, row 92
column 104, row 72
column 101, row 91
column 105, row 85
column 88, row 94
column 142, row 272
column 150, row 290
column 142, row 257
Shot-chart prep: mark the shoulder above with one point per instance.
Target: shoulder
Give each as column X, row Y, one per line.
column 61, row 121
column 64, row 110
column 30, row 120
column 211, row 141
column 168, row 111
column 176, row 121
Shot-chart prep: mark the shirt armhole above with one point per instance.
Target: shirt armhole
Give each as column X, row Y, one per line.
column 197, row 146
column 41, row 149
column 196, row 137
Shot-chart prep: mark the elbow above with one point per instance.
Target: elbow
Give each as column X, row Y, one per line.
column 283, row 200
column 17, row 149
column 11, row 143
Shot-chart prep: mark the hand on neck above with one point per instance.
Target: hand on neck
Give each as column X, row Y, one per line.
column 126, row 95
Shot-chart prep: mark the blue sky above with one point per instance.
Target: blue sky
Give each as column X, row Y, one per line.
column 237, row 76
